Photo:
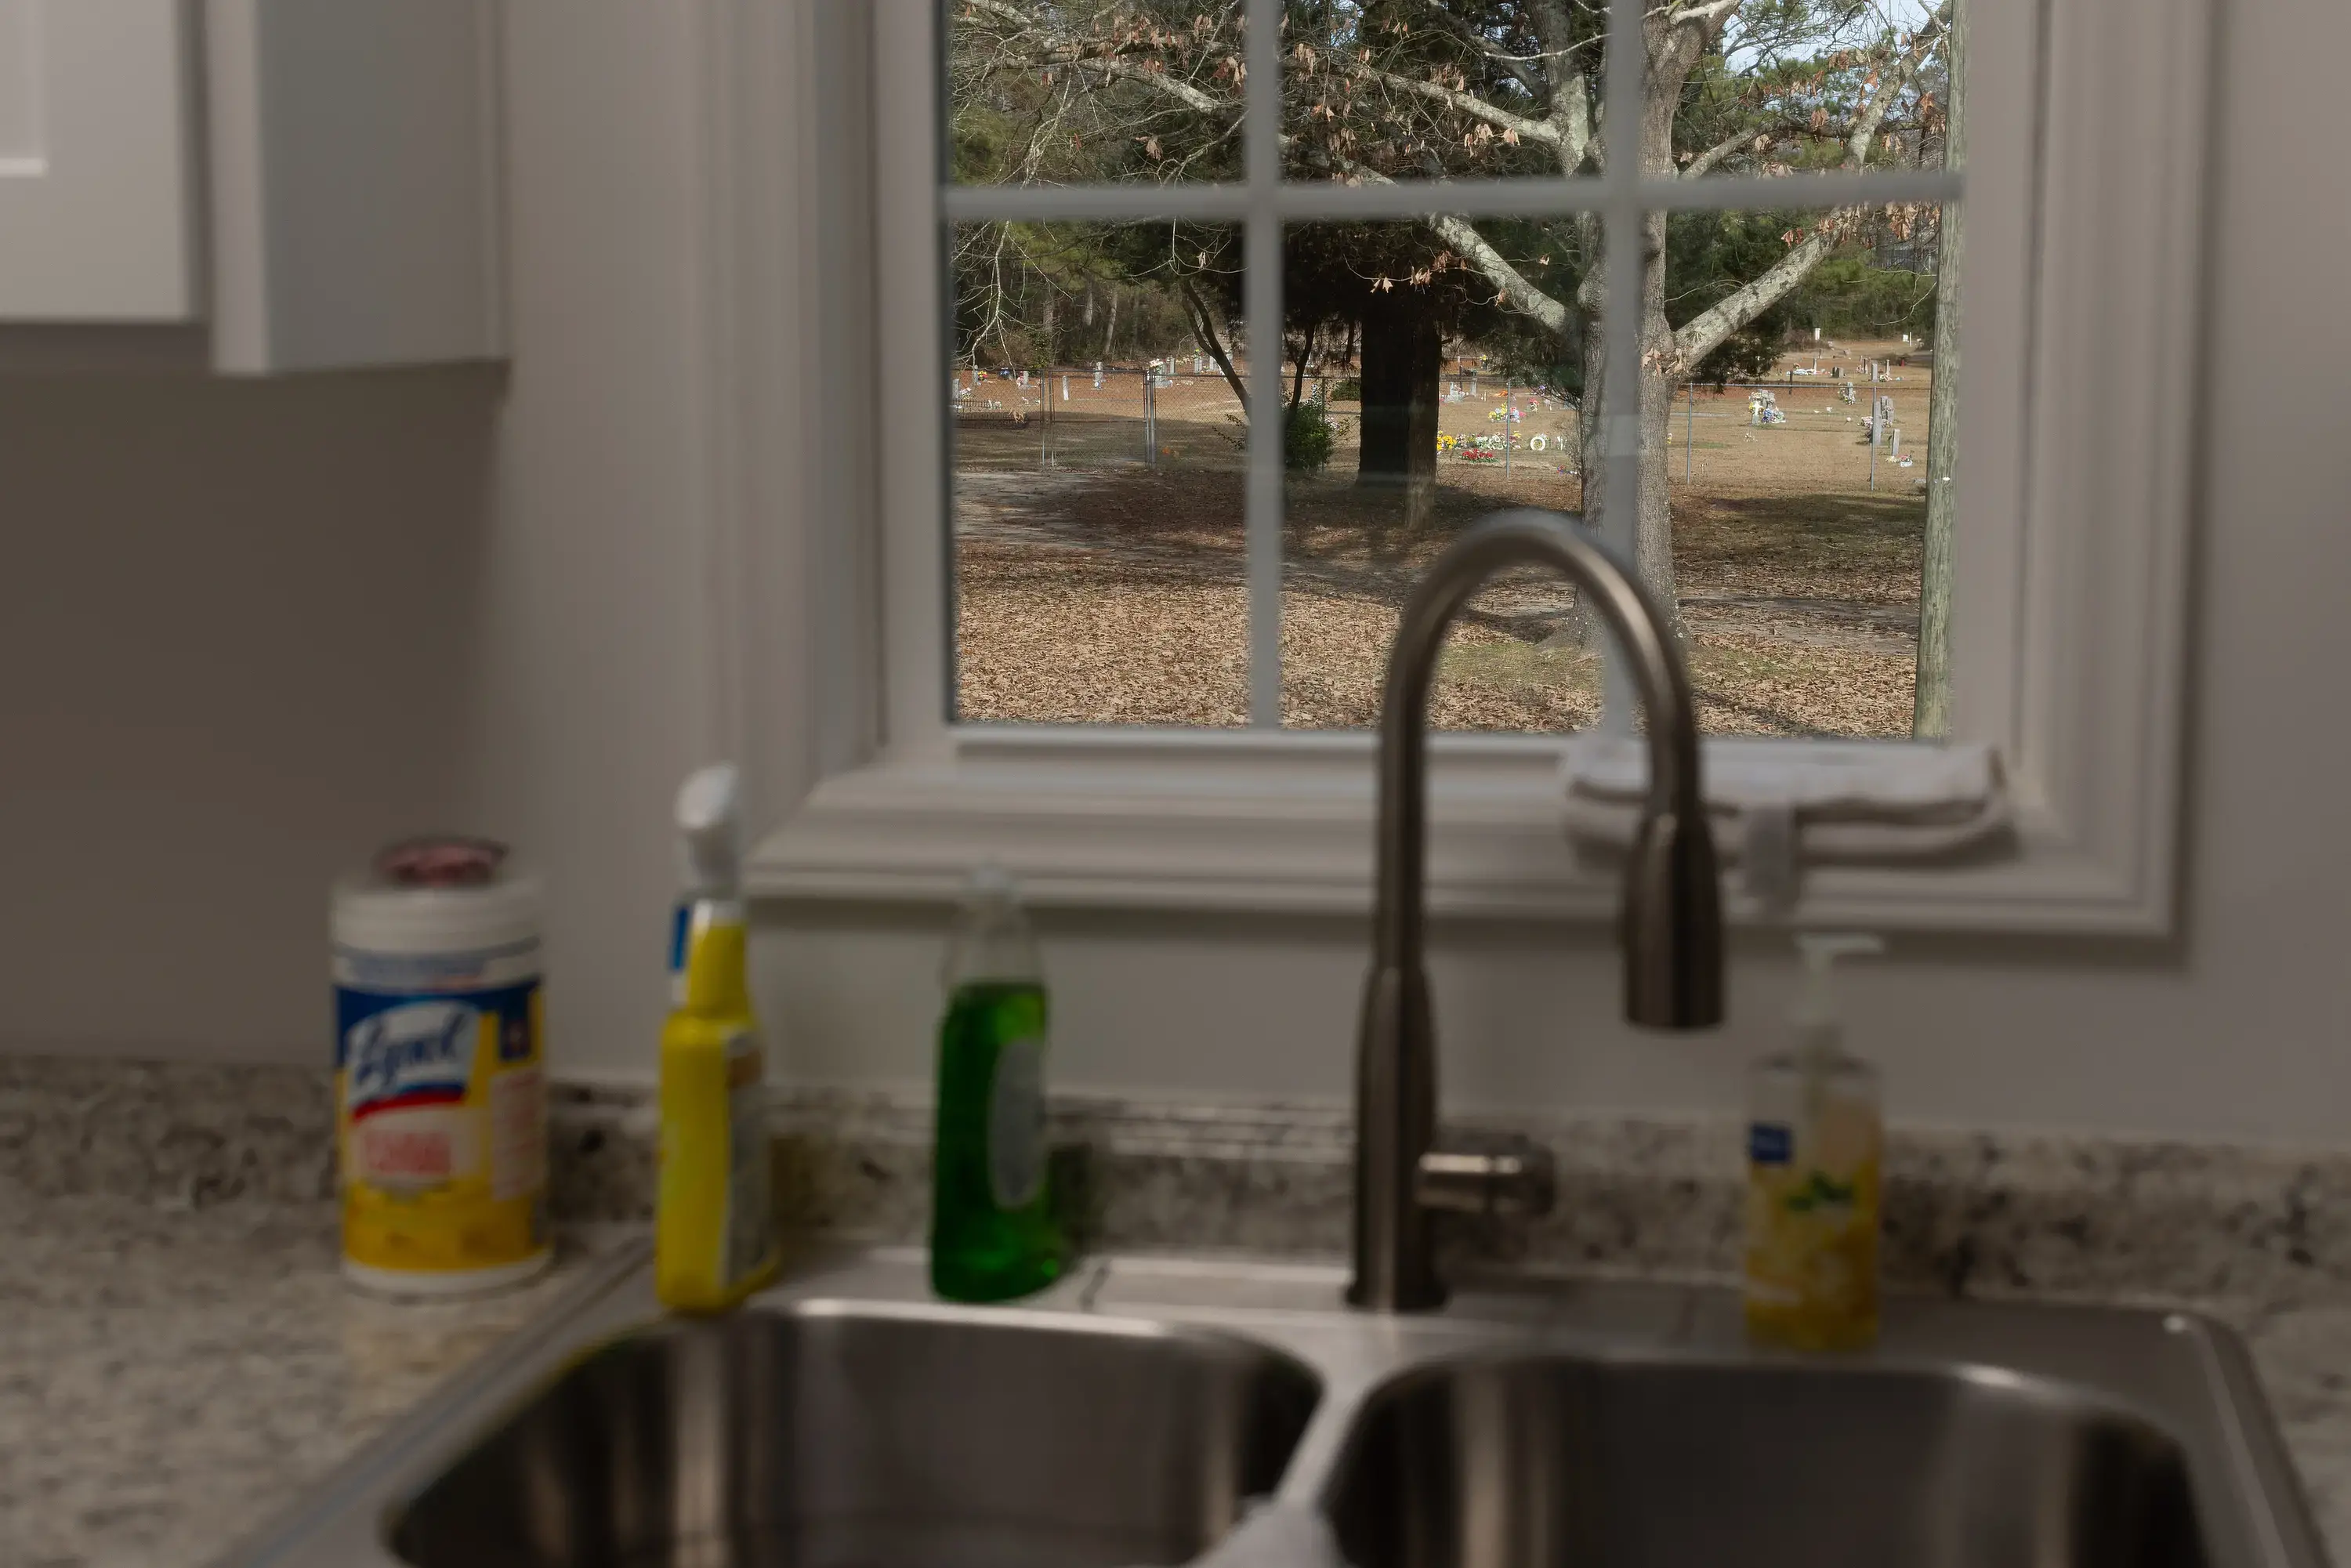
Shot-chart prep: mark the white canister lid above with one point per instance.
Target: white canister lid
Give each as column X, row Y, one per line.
column 379, row 910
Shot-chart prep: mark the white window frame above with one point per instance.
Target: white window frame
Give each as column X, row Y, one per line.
column 826, row 553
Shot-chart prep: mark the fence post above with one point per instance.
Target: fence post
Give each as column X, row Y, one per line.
column 1045, row 425
column 1689, row 433
column 1150, row 418
column 1507, row 411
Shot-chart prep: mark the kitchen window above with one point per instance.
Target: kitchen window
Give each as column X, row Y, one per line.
column 1051, row 541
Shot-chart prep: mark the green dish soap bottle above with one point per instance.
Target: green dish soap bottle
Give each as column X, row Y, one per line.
column 993, row 1232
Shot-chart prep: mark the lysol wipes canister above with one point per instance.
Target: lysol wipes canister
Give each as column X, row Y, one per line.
column 440, row 1072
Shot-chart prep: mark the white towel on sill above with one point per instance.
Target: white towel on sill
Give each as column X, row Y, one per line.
column 1853, row 803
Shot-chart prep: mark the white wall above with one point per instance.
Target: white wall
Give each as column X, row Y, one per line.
column 587, row 702
column 250, row 630
column 237, row 633
column 593, row 674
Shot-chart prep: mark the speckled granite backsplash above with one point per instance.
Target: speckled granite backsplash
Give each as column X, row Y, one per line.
column 1977, row 1214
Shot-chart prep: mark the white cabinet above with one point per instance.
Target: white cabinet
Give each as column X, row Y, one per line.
column 295, row 184
column 98, row 161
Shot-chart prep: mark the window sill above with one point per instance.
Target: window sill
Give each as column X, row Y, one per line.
column 1204, row 821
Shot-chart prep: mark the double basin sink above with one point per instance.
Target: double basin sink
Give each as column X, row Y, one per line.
column 1142, row 1409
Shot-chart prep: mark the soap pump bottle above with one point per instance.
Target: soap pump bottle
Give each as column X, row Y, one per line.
column 993, row 1232
column 1815, row 1145
column 713, row 1229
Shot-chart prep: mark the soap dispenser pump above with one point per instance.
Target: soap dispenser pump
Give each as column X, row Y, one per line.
column 1815, row 1141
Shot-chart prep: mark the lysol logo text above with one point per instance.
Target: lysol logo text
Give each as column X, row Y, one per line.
column 419, row 1054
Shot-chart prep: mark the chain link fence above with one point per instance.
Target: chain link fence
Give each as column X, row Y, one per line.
column 1179, row 413
column 1183, row 413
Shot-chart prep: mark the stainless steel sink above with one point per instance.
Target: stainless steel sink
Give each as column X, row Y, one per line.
column 810, row 1434
column 1132, row 1414
column 1531, row 1462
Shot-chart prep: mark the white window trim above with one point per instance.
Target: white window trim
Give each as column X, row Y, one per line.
column 2077, row 673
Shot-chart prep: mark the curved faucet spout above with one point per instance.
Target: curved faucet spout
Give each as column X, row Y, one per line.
column 1672, row 923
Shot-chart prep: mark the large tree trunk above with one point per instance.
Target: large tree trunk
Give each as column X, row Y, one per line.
column 1931, row 714
column 1652, row 532
column 1403, row 352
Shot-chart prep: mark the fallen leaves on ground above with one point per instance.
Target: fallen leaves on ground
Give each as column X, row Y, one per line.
column 1118, row 597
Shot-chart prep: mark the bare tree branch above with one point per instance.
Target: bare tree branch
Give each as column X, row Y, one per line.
column 1520, row 69
column 1710, row 15
column 1183, row 92
column 1761, row 139
column 1890, row 85
column 1705, row 332
column 1060, row 50
column 1509, row 280
column 1705, row 162
column 1203, row 332
column 1469, row 103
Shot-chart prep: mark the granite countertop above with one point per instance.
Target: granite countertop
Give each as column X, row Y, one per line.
column 180, row 1357
column 2303, row 1352
column 170, row 1377
column 176, row 1376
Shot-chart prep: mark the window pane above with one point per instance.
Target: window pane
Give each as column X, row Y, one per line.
column 1790, row 87
column 1423, row 405
column 1784, row 491
column 1795, row 437
column 1099, row 458
column 1072, row 92
column 1424, row 90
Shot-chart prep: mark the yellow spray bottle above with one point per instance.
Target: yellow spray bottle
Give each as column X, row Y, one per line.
column 713, row 1229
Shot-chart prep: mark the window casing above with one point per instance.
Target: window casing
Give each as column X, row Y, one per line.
column 2085, row 165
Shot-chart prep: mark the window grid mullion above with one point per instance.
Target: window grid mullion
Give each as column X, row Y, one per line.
column 1550, row 197
column 1261, row 306
column 1622, row 216
column 1623, row 196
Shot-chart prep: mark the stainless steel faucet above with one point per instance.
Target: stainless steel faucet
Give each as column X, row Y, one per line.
column 1672, row 917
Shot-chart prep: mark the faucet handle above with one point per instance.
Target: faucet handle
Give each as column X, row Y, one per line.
column 1515, row 1176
